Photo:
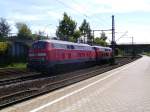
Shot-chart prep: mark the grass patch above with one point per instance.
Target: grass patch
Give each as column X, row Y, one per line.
column 146, row 53
column 16, row 65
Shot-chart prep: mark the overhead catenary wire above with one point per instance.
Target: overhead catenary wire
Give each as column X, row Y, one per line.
column 59, row 1
column 83, row 14
column 98, row 20
column 94, row 18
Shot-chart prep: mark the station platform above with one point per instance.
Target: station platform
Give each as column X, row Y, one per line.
column 125, row 89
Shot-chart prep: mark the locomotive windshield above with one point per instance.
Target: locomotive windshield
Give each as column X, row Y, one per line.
column 39, row 45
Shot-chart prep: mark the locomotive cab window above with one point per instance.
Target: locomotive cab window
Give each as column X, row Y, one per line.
column 70, row 47
column 39, row 45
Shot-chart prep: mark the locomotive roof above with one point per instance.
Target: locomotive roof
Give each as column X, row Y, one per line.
column 102, row 47
column 65, row 42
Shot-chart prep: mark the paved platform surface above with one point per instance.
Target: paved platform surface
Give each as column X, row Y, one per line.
column 125, row 89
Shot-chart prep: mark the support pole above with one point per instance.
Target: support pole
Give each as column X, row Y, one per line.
column 93, row 38
column 113, row 41
column 133, row 52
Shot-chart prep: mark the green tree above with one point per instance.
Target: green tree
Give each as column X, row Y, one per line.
column 100, row 41
column 103, row 36
column 66, row 28
column 24, row 31
column 76, row 35
column 40, row 35
column 86, row 30
column 4, row 28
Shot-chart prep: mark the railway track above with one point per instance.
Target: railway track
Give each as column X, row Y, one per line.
column 19, row 91
column 11, row 75
column 30, row 76
column 8, row 71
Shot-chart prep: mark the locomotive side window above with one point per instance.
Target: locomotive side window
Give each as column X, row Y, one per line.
column 55, row 45
column 72, row 47
column 60, row 46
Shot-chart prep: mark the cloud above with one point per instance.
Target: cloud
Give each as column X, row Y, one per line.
column 54, row 15
column 25, row 17
column 121, row 6
column 110, row 6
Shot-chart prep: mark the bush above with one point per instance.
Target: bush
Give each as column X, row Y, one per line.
column 3, row 47
column 100, row 41
column 118, row 52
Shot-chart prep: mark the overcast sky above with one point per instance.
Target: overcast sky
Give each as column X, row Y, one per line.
column 132, row 16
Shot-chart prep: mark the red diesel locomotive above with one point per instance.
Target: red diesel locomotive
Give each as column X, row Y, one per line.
column 46, row 54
